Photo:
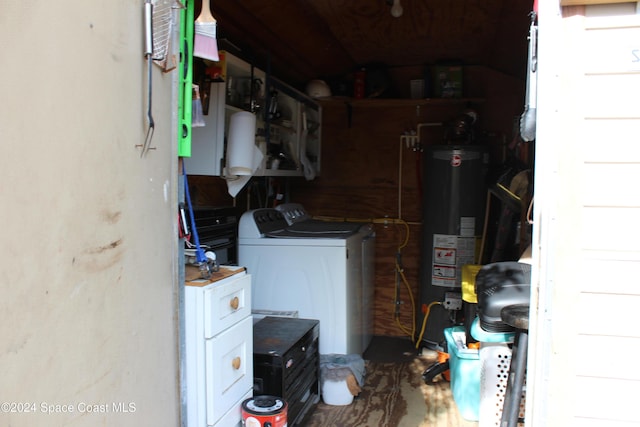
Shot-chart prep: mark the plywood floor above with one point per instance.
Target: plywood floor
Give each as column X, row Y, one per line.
column 394, row 394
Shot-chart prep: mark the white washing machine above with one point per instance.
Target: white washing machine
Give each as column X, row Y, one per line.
column 323, row 270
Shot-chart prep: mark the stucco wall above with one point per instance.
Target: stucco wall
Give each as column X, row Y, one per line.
column 87, row 272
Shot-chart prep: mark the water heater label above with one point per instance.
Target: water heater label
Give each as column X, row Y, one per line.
column 445, row 256
column 450, row 253
column 467, row 226
column 444, row 272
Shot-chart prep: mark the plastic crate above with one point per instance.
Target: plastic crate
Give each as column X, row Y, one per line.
column 464, row 367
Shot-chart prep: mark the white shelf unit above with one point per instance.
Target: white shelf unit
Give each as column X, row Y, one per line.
column 285, row 131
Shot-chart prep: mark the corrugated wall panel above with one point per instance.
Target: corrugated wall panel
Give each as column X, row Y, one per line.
column 595, row 400
column 583, row 422
column 614, row 315
column 612, row 276
column 611, row 96
column 608, row 49
column 589, row 123
column 615, row 229
column 606, row 184
column 608, row 357
column 619, row 137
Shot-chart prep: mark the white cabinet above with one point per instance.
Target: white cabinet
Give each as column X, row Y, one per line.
column 219, row 349
column 288, row 123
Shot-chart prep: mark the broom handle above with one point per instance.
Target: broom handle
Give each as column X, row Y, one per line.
column 200, row 256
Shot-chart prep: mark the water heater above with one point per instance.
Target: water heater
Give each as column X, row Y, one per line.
column 454, row 198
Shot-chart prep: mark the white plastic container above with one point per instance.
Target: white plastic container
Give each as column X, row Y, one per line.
column 336, row 393
column 336, row 371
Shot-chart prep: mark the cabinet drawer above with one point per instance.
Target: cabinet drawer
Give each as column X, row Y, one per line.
column 233, row 418
column 226, row 304
column 228, row 368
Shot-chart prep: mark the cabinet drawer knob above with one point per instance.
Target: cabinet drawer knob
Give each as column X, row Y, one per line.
column 235, row 303
column 236, row 362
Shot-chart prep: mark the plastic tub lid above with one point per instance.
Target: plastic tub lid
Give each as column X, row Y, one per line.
column 483, row 336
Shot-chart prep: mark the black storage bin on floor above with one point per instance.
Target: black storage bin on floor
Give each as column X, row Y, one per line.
column 286, row 363
column 498, row 285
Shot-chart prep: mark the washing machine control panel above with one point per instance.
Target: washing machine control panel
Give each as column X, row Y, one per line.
column 293, row 212
column 258, row 222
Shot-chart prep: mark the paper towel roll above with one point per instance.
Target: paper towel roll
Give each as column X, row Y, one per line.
column 236, row 182
column 241, row 143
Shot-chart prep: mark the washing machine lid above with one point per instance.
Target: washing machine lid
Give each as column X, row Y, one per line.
column 316, row 229
column 315, row 226
column 299, row 222
column 271, row 223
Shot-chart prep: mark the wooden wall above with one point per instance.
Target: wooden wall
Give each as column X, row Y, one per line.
column 360, row 177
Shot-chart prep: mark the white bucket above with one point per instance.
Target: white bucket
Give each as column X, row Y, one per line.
column 336, row 393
